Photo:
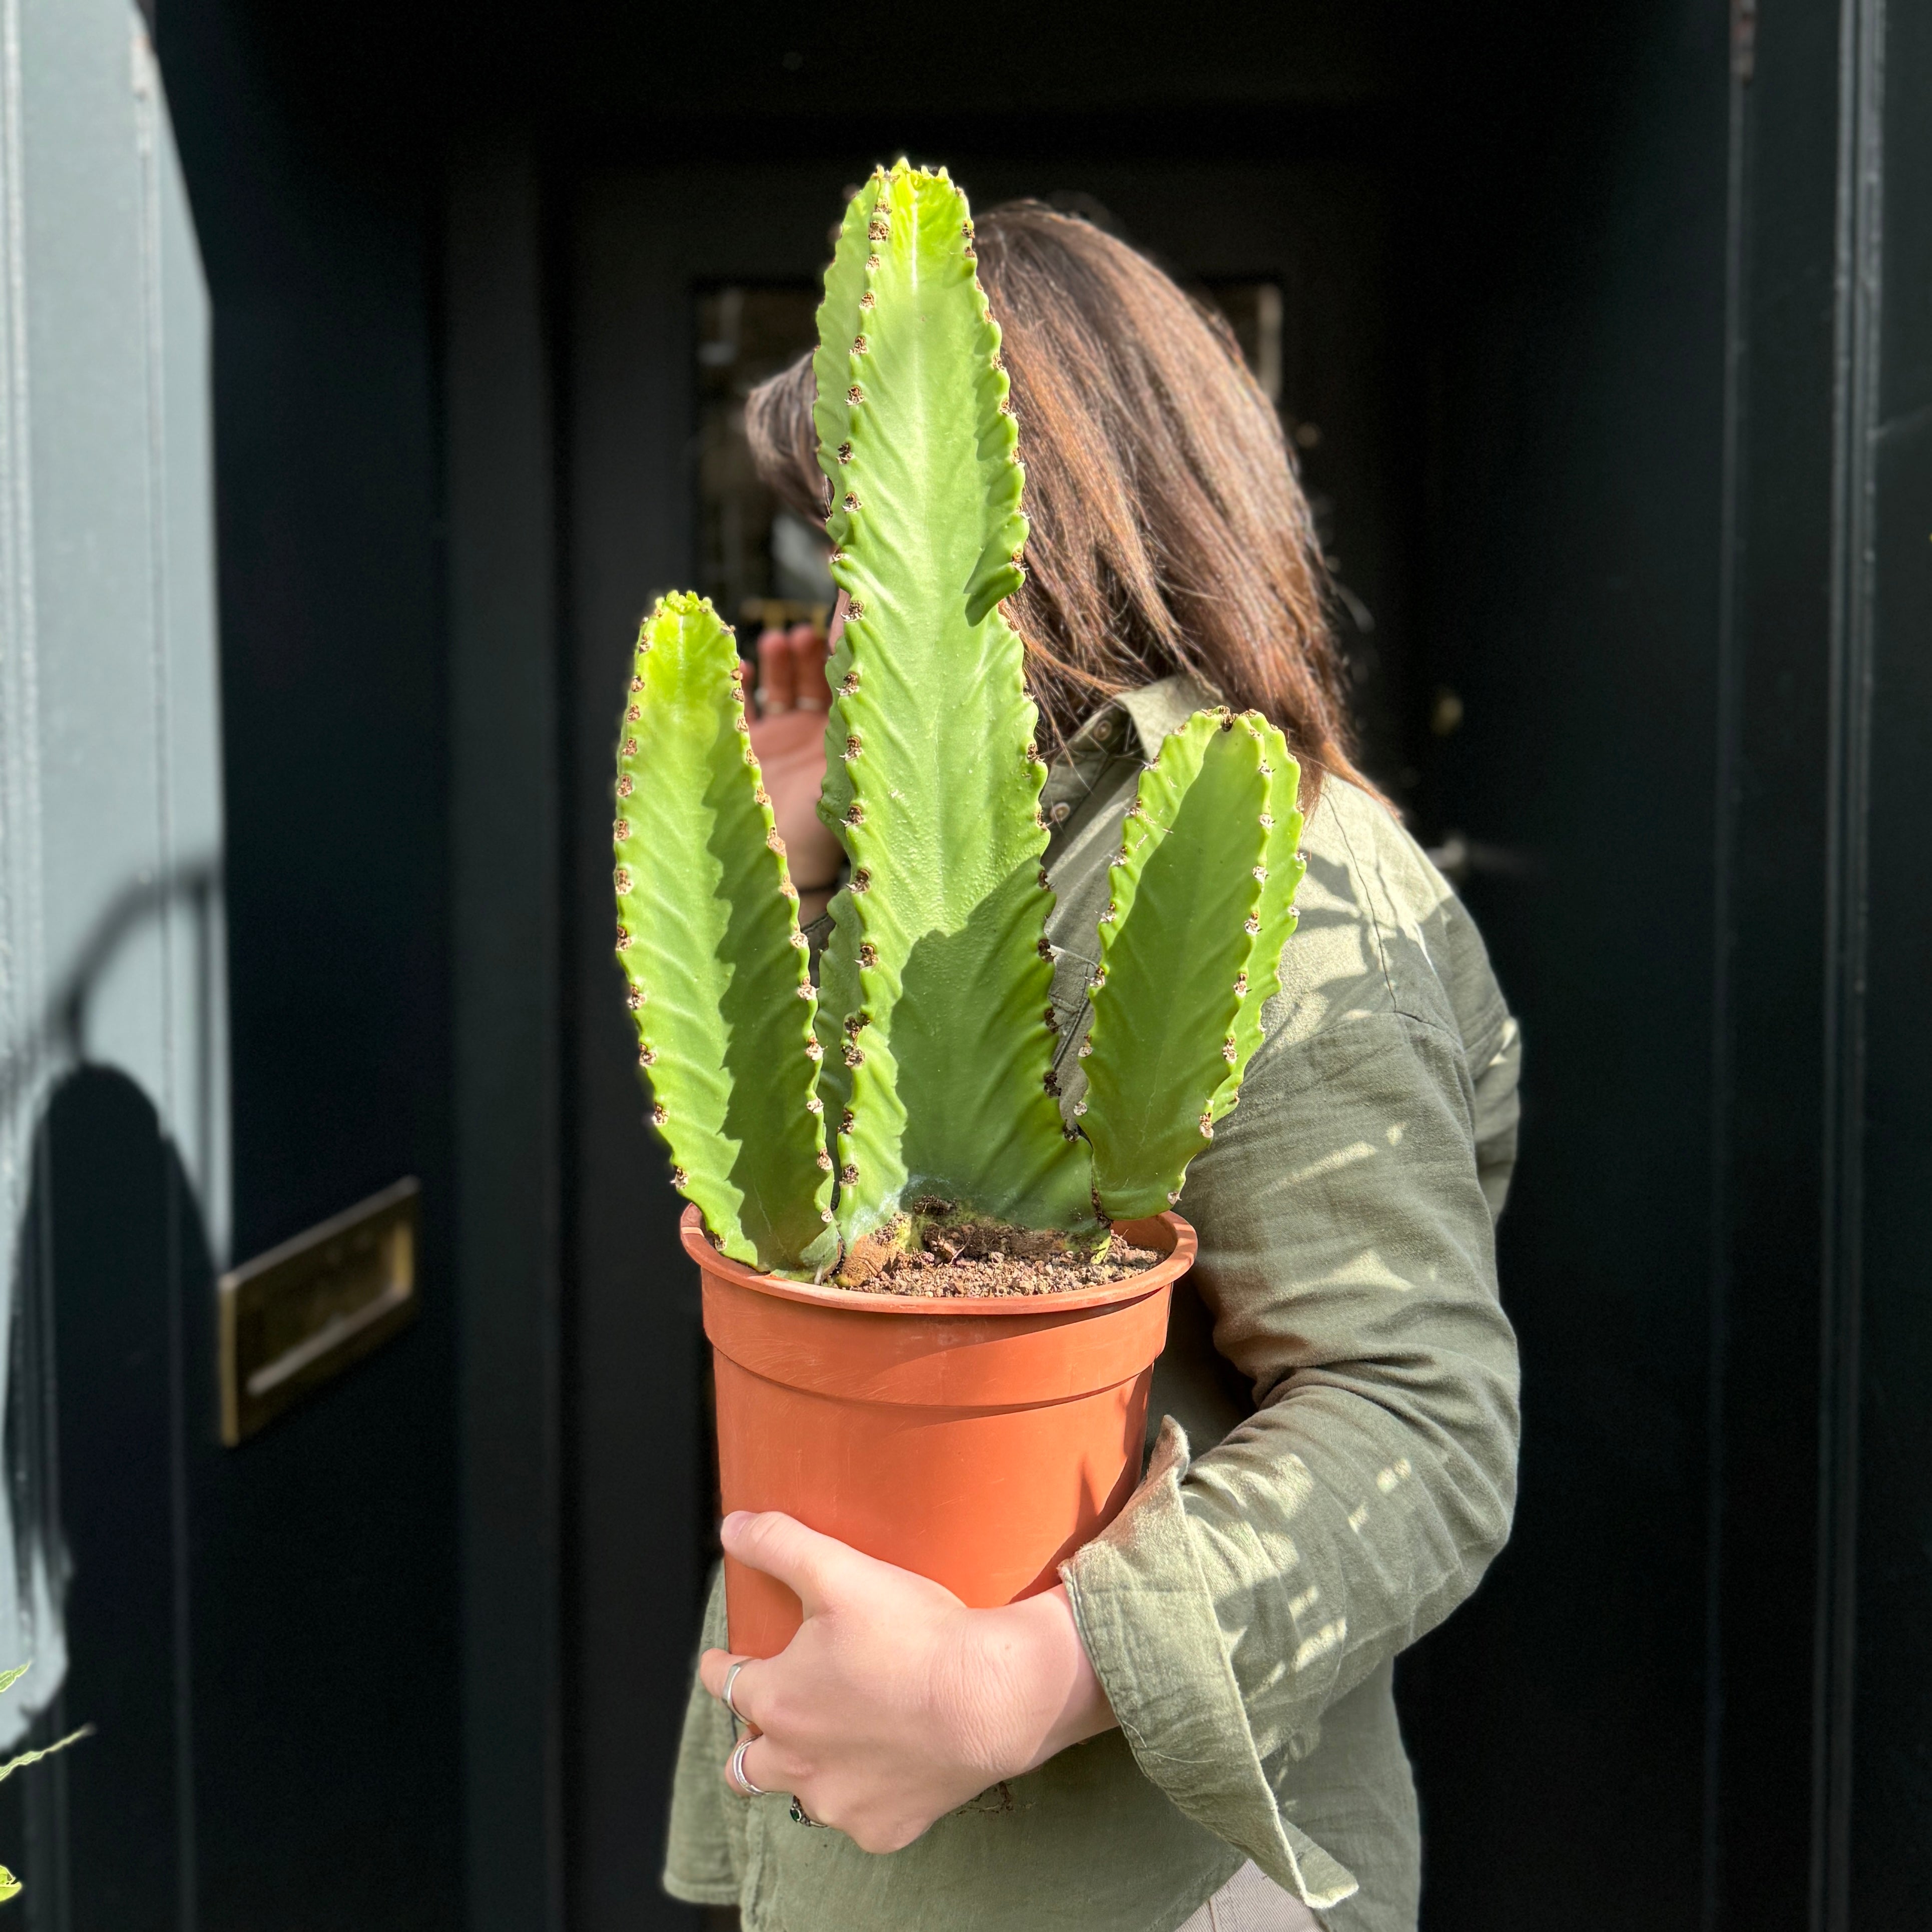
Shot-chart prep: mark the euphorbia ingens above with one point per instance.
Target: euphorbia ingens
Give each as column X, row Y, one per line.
column 918, row 1077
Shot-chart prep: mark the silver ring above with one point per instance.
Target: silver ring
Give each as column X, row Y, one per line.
column 800, row 1816
column 809, row 704
column 740, row 1782
column 731, row 1683
column 768, row 706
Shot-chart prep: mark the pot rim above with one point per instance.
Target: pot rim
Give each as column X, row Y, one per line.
column 1169, row 1269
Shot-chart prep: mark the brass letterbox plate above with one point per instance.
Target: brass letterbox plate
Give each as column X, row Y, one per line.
column 297, row 1316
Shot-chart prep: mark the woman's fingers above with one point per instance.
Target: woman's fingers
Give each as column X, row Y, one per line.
column 714, row 1669
column 808, row 654
column 791, row 670
column 811, row 1565
column 778, row 673
column 894, row 1703
column 772, row 1767
column 790, row 751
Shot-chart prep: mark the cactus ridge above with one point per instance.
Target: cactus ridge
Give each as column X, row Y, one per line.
column 940, row 1048
column 708, row 939
column 838, row 317
column 1275, row 913
column 1202, row 889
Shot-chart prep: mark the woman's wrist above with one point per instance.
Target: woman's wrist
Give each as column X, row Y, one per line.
column 1037, row 1690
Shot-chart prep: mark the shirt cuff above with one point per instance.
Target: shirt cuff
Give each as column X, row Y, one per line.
column 1147, row 1618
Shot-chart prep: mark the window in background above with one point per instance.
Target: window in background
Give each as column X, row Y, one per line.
column 1254, row 310
column 761, row 563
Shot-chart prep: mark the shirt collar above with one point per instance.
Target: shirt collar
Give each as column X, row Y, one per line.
column 1130, row 726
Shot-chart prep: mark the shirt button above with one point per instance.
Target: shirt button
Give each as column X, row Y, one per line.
column 1104, row 732
column 1060, row 813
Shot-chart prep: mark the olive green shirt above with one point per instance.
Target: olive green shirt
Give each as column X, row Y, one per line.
column 1335, row 1458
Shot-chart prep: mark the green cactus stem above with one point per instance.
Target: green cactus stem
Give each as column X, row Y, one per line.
column 1202, row 899
column 1285, row 868
column 936, row 1019
column 708, row 938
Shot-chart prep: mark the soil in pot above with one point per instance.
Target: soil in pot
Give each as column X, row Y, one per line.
column 986, row 1261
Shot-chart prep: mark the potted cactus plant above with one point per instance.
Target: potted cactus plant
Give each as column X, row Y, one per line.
column 908, row 1106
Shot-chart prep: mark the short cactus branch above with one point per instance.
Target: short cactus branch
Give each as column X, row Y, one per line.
column 1190, row 950
column 708, row 938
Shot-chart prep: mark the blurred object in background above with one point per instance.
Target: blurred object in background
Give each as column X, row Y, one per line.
column 764, row 565
column 761, row 564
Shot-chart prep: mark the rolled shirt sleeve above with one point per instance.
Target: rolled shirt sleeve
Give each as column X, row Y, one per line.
column 1346, row 1217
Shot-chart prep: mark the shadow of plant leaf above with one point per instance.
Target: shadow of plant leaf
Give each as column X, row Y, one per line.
column 10, row 1886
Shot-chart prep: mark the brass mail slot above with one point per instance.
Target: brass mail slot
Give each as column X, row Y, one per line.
column 297, row 1316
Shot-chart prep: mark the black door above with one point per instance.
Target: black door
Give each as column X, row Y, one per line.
column 1598, row 358
column 1602, row 332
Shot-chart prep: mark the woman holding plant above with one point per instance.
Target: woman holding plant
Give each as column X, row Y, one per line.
column 1197, row 1725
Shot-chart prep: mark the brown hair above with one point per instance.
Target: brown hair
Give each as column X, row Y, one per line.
column 1169, row 532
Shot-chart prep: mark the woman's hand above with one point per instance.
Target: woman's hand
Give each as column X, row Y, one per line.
column 788, row 736
column 895, row 1704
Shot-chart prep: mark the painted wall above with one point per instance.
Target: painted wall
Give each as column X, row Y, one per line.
column 111, row 949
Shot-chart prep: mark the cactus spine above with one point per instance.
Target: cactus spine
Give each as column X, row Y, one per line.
column 923, row 1070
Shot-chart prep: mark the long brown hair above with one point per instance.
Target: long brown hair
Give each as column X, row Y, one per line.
column 1169, row 531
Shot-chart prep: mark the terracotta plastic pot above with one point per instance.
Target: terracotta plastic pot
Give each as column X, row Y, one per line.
column 979, row 1443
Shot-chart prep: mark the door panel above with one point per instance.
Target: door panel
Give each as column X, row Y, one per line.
column 1571, row 316
column 114, row 1077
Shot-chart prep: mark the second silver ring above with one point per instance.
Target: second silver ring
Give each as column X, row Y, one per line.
column 740, row 1779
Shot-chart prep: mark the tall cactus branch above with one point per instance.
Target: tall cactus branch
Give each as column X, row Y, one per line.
column 708, row 938
column 935, row 983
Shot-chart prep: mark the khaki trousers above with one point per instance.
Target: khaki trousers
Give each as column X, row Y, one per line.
column 1250, row 1902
